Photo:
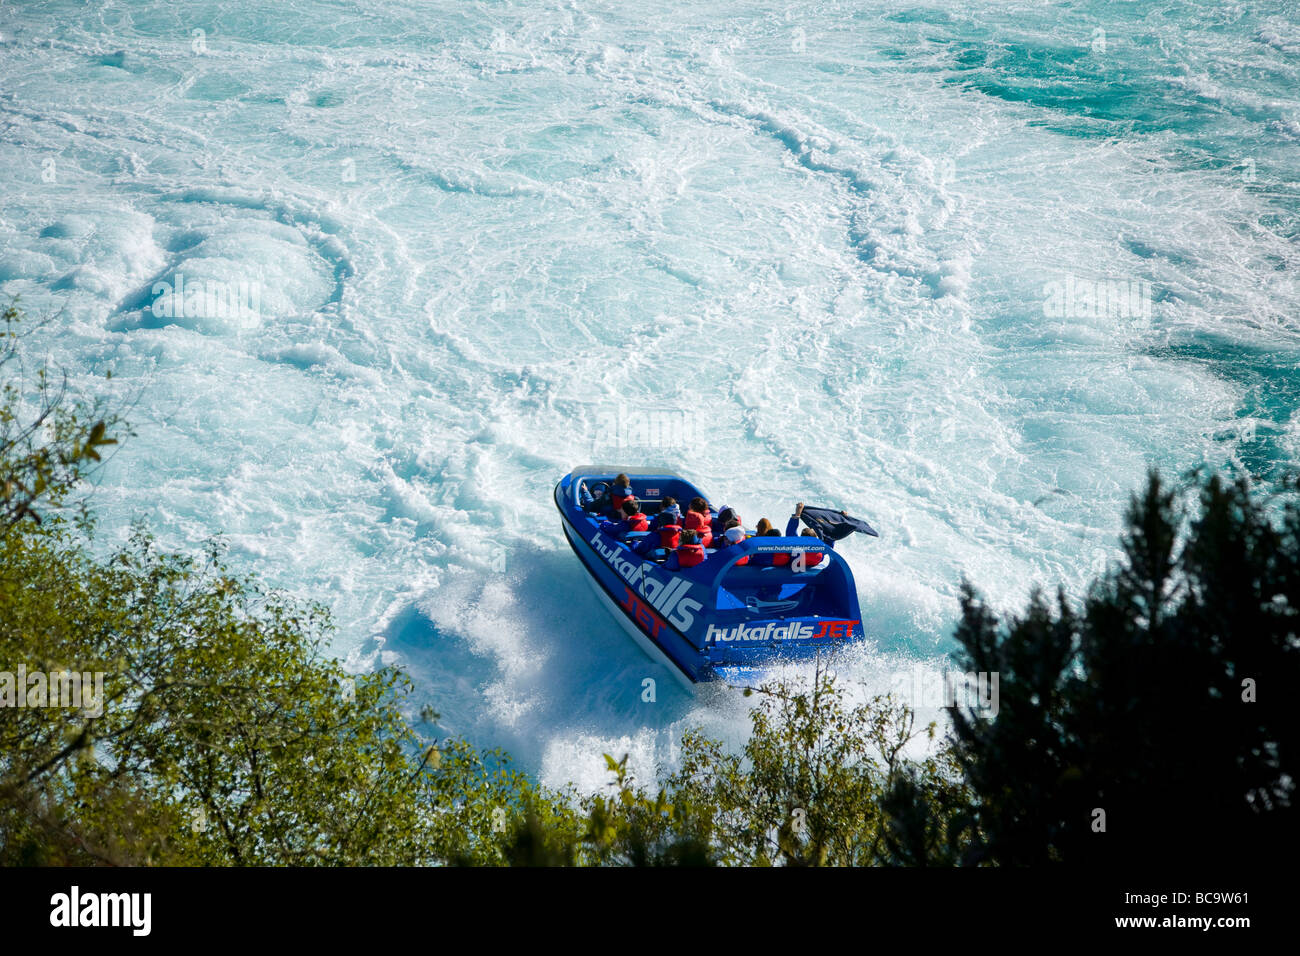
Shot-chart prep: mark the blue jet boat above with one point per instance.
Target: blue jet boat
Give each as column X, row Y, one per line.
column 724, row 614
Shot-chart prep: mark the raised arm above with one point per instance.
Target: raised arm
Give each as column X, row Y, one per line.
column 792, row 526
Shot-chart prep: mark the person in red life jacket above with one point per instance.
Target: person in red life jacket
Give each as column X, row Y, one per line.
column 699, row 520
column 670, row 512
column 619, row 493
column 633, row 520
column 687, row 554
column 665, row 531
column 813, row 558
column 670, row 536
column 732, row 536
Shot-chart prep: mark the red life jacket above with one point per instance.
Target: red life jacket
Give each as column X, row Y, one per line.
column 637, row 522
column 780, row 559
column 731, row 544
column 619, row 495
column 699, row 523
column 810, row 558
column 670, row 536
column 689, row 555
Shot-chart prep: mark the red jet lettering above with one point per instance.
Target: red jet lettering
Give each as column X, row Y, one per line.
column 641, row 612
column 835, row 631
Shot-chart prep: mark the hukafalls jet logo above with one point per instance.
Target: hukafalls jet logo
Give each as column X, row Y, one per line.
column 666, row 597
column 772, row 631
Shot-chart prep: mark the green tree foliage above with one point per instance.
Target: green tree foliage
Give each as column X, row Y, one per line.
column 806, row 790
column 1153, row 724
column 227, row 736
column 48, row 444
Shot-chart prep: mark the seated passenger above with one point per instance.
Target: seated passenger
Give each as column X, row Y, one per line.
column 719, row 524
column 670, row 535
column 596, row 504
column 733, row 535
column 775, row 559
column 699, row 520
column 670, row 512
column 687, row 554
column 813, row 558
column 666, row 536
column 632, row 520
column 619, row 492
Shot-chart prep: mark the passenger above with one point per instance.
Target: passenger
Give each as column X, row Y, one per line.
column 670, row 512
column 764, row 526
column 665, row 530
column 665, row 534
column 687, row 555
column 778, row 559
column 813, row 558
column 595, row 504
column 699, row 520
column 670, row 536
column 620, row 492
column 633, row 520
column 719, row 524
column 732, row 536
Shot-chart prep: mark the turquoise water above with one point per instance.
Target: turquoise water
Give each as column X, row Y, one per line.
column 802, row 251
